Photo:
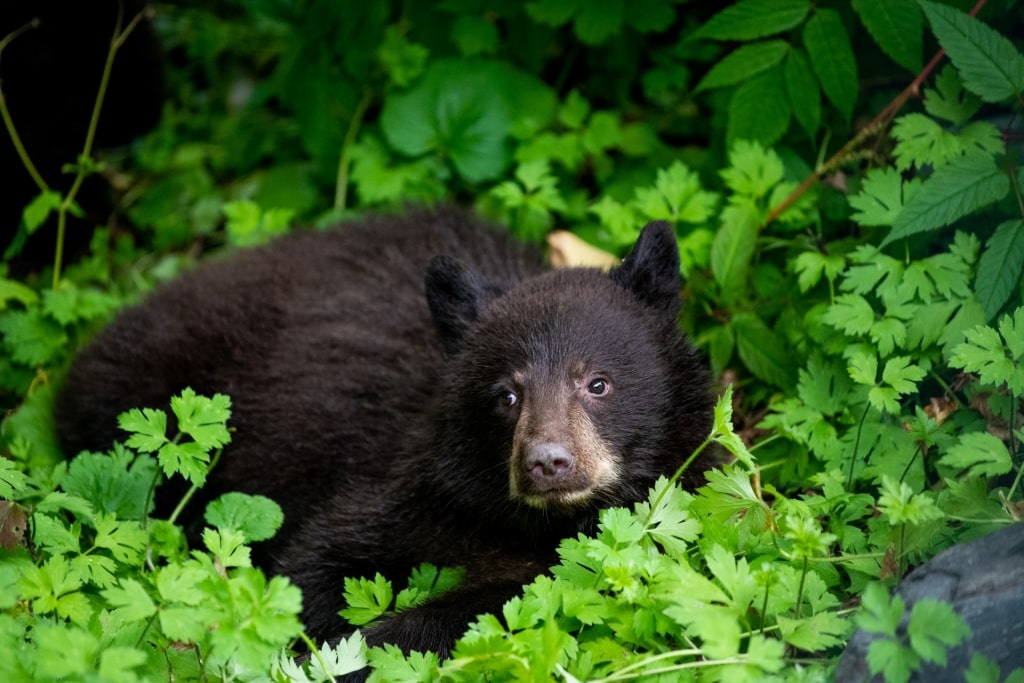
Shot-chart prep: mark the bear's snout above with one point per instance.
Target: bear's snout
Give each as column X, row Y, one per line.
column 548, row 464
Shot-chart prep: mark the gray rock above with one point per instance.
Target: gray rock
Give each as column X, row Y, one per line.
column 984, row 581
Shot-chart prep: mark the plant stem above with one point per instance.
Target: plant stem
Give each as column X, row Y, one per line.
column 5, row 113
column 341, row 183
column 192, row 490
column 880, row 121
column 856, row 446
column 116, row 41
column 800, row 590
column 675, row 477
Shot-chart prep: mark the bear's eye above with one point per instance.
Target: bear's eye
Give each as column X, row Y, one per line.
column 598, row 387
column 507, row 398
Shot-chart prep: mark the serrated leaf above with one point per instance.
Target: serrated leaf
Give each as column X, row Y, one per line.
column 190, row 460
column 203, row 418
column 819, row 632
column 901, row 375
column 990, row 66
column 802, row 89
column 752, row 19
column 948, row 100
column 31, row 338
column 366, row 599
column 961, row 187
column 759, row 109
column 983, row 352
column 744, row 62
column 934, row 626
column 117, row 483
column 130, row 600
column 850, row 313
column 896, row 26
column 882, row 196
column 978, row 454
column 753, row 171
column 257, row 517
column 1001, row 267
column 148, row 428
column 828, row 46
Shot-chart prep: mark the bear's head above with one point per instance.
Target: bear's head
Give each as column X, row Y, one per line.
column 567, row 392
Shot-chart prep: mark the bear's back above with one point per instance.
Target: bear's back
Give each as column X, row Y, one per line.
column 323, row 340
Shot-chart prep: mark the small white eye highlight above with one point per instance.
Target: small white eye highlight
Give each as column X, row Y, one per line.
column 507, row 398
column 598, row 387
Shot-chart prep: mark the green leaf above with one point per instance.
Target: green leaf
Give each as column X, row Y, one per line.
column 203, row 418
column 935, row 626
column 474, row 35
column 759, row 109
column 753, row 171
column 403, row 60
column 762, row 351
column 901, row 505
column 990, row 66
column 1001, row 267
column 948, row 100
column 816, row 633
column 984, row 353
column 978, row 454
column 850, row 313
column 743, row 63
column 833, row 60
column 257, row 517
column 125, row 539
column 962, row 187
column 752, row 19
column 117, row 483
column 802, row 90
column 129, row 600
column 366, row 600
column 732, row 250
column 893, row 660
column 190, row 460
column 148, row 428
column 32, row 339
column 882, row 196
column 39, row 209
column 896, row 26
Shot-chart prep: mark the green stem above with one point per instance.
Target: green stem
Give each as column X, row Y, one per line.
column 192, row 490
column 675, row 477
column 5, row 113
column 856, row 447
column 800, row 590
column 341, row 183
column 90, row 136
column 314, row 651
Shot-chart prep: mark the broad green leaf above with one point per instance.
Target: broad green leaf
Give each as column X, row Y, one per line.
column 978, row 454
column 1001, row 267
column 802, row 89
column 991, row 67
column 935, row 626
column 732, row 250
column 130, row 600
column 961, row 187
column 474, row 35
column 882, row 195
column 948, row 100
column 257, row 517
column 753, row 170
column 759, row 109
column 743, row 63
column 31, row 338
column 833, row 60
column 752, row 19
column 816, row 633
column 39, row 209
column 203, row 418
column 850, row 313
column 896, row 26
column 762, row 351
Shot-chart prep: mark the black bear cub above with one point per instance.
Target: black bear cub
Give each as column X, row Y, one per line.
column 415, row 389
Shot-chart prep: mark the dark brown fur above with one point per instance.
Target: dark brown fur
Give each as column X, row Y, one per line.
column 474, row 419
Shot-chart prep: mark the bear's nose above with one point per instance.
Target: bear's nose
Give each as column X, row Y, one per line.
column 548, row 462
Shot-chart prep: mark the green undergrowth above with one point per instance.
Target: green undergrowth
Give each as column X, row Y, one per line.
column 850, row 216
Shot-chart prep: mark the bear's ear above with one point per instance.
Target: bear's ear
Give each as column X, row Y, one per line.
column 651, row 271
column 455, row 294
